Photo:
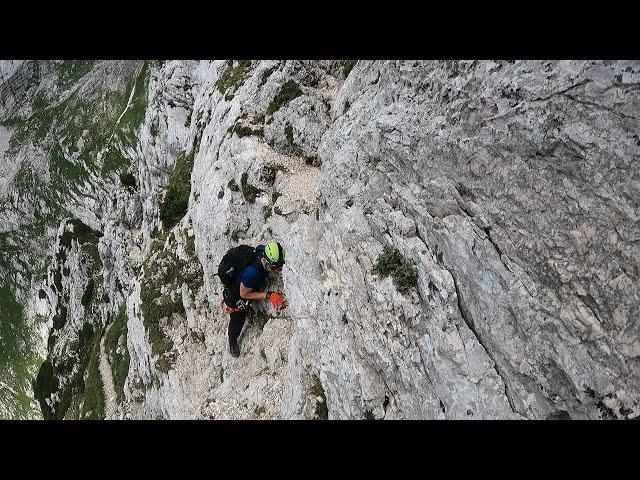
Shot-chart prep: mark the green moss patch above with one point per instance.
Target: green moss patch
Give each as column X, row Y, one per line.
column 71, row 71
column 80, row 232
column 162, row 269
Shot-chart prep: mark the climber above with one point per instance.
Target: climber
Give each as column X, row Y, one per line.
column 243, row 270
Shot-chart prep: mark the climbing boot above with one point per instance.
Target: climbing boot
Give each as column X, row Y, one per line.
column 234, row 348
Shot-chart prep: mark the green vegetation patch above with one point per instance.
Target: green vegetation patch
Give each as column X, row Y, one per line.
column 164, row 273
column 287, row 92
column 129, row 181
column 19, row 362
column 74, row 365
column 113, row 160
column 233, row 77
column 176, row 200
column 71, row 71
column 81, row 233
column 371, row 160
column 392, row 262
column 368, row 415
column 160, row 270
column 134, row 116
column 245, row 131
column 116, row 348
column 266, row 74
column 87, row 295
column 93, row 406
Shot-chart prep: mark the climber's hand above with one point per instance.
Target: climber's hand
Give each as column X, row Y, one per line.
column 276, row 300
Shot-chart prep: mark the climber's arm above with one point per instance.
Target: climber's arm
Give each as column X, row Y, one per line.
column 249, row 294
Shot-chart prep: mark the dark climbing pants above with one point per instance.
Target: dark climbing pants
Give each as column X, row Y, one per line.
column 235, row 324
column 231, row 296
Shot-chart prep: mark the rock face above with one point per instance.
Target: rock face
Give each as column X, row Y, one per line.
column 461, row 237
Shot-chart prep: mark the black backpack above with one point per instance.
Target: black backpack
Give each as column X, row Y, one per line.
column 234, row 261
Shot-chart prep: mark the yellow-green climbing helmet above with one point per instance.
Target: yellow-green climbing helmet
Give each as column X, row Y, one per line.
column 274, row 253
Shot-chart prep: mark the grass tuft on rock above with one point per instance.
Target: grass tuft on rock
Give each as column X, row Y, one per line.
column 245, row 131
column 368, row 415
column 392, row 262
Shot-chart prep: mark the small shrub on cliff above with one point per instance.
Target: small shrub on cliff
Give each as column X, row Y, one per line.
column 128, row 181
column 392, row 262
column 245, row 131
column 368, row 415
